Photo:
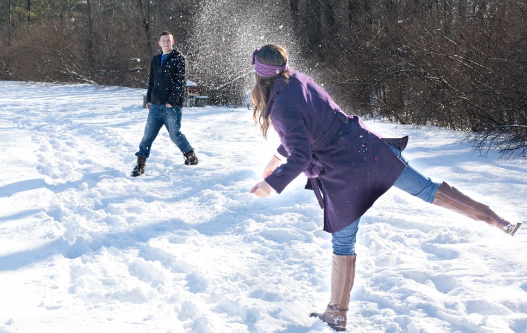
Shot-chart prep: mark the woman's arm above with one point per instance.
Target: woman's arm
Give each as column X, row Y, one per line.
column 293, row 133
column 271, row 166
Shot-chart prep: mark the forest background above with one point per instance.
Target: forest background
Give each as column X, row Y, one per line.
column 459, row 64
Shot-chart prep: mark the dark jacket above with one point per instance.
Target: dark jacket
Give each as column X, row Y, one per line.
column 357, row 165
column 167, row 84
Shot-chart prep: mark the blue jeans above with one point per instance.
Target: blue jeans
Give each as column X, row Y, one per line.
column 411, row 181
column 160, row 115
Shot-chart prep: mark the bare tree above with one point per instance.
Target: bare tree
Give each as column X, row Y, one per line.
column 448, row 63
column 459, row 64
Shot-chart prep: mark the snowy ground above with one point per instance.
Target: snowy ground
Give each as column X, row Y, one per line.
column 86, row 248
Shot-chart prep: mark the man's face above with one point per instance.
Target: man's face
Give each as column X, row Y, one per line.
column 166, row 43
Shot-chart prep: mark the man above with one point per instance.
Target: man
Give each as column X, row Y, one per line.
column 166, row 90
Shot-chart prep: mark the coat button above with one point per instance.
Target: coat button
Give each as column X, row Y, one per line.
column 277, row 171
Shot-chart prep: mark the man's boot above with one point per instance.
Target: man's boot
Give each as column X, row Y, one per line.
column 190, row 158
column 140, row 167
column 342, row 277
column 449, row 197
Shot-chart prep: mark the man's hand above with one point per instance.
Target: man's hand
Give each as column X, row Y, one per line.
column 147, row 106
column 262, row 189
column 169, row 105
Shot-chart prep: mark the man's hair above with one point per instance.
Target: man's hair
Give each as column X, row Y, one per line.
column 166, row 33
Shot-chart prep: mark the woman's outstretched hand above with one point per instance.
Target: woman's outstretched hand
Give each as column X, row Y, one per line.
column 262, row 189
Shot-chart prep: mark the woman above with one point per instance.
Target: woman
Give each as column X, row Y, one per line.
column 348, row 166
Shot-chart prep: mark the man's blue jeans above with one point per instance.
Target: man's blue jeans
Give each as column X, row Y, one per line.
column 411, row 181
column 160, row 115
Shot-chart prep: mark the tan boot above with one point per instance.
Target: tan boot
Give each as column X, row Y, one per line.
column 449, row 197
column 342, row 278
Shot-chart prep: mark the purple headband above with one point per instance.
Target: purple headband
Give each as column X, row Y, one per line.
column 264, row 69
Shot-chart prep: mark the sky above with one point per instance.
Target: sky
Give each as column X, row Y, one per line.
column 84, row 247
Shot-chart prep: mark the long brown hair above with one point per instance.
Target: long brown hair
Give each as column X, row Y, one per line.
column 270, row 54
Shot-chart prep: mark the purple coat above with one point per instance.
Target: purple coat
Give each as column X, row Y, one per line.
column 357, row 165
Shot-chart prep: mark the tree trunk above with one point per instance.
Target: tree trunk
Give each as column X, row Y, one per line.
column 89, row 47
column 9, row 28
column 145, row 23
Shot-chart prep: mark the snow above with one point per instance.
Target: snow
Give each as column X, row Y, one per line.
column 86, row 248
